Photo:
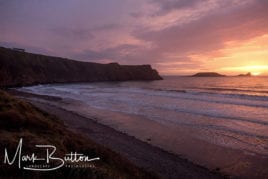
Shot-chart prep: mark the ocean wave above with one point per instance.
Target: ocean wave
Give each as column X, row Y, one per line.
column 235, row 99
column 234, row 89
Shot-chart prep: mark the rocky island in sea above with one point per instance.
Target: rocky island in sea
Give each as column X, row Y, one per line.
column 246, row 75
column 207, row 74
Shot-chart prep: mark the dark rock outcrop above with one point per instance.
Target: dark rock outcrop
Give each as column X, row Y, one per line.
column 245, row 75
column 207, row 74
column 22, row 69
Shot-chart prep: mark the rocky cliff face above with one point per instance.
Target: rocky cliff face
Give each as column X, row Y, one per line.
column 22, row 69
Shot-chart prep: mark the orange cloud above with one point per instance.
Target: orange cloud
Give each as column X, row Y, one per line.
column 239, row 57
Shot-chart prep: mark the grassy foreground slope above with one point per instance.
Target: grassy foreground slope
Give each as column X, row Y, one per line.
column 20, row 119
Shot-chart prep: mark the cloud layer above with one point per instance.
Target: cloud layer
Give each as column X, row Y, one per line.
column 175, row 36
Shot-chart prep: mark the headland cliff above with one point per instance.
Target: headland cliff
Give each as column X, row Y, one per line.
column 19, row 68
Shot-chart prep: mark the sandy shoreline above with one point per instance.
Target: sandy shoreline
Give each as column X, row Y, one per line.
column 179, row 140
column 140, row 153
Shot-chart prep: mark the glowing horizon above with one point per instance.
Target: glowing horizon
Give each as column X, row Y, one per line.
column 235, row 58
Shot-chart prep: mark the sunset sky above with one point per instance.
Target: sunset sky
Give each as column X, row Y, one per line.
column 177, row 37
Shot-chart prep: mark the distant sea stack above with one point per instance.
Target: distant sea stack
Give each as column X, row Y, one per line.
column 245, row 75
column 19, row 68
column 207, row 74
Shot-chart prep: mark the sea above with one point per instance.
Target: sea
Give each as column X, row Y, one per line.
column 217, row 122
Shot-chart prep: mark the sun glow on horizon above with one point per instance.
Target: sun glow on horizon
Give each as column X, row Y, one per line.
column 255, row 70
column 256, row 73
column 236, row 57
